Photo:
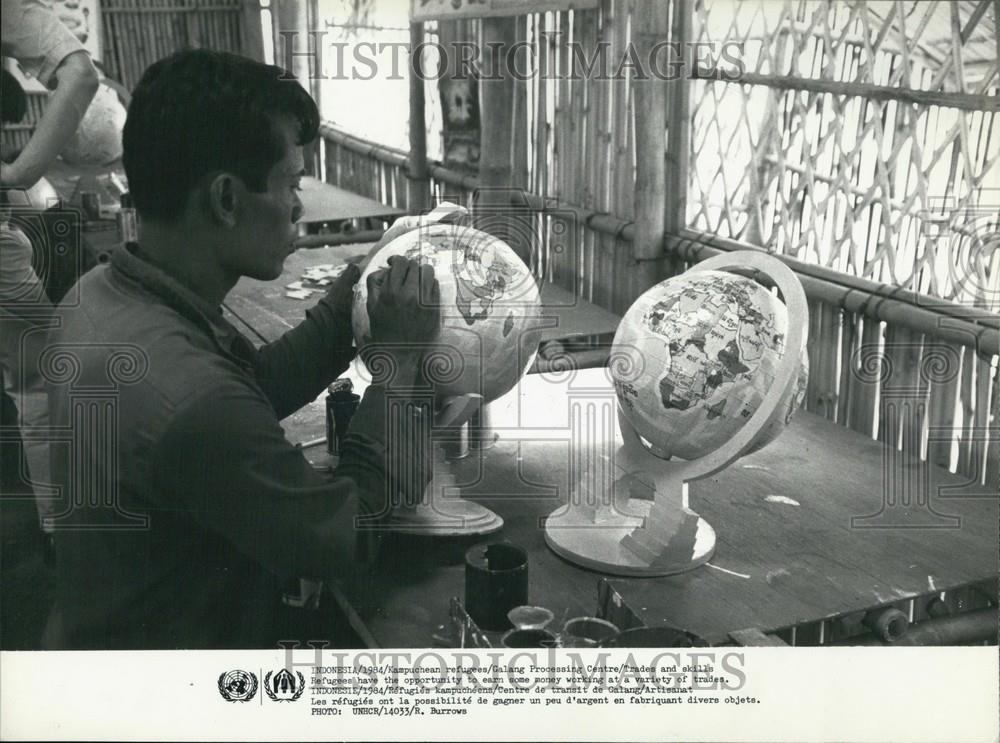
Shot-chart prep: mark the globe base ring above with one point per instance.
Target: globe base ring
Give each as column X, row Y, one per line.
column 606, row 547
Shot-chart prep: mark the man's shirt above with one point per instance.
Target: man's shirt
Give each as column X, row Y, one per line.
column 187, row 505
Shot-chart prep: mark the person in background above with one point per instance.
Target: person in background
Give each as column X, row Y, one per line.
column 32, row 34
column 212, row 509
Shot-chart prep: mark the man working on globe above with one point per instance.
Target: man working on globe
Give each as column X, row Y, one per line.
column 178, row 528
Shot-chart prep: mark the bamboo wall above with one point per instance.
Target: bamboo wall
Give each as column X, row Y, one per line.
column 854, row 147
column 868, row 142
column 136, row 33
column 838, row 172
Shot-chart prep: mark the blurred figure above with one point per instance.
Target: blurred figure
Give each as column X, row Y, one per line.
column 32, row 34
column 207, row 509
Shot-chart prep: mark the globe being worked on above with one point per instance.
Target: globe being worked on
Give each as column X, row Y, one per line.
column 693, row 359
column 489, row 308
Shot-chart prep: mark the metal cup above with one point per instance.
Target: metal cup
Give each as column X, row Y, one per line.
column 528, row 638
column 583, row 632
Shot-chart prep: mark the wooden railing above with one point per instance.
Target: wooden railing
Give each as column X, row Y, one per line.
column 916, row 372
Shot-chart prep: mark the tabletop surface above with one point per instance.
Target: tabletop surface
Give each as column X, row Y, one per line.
column 324, row 202
column 804, row 528
column 263, row 304
column 794, row 543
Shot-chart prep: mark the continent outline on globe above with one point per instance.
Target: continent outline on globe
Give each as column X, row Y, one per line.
column 711, row 342
column 490, row 307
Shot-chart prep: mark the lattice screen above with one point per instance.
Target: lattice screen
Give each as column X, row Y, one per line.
column 887, row 186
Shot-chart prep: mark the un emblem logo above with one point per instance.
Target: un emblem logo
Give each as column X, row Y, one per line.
column 237, row 686
column 283, row 686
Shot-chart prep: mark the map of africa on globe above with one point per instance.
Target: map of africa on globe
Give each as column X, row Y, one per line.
column 489, row 308
column 696, row 355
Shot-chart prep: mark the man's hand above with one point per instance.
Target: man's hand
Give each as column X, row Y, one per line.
column 341, row 292
column 404, row 303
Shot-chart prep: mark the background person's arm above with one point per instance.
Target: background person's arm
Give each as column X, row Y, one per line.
column 77, row 83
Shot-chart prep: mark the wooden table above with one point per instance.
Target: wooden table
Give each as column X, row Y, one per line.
column 324, row 202
column 788, row 552
column 794, row 546
column 262, row 312
column 264, row 305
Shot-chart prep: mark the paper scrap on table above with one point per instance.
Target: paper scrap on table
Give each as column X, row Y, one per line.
column 782, row 499
column 324, row 271
column 298, row 293
column 295, row 286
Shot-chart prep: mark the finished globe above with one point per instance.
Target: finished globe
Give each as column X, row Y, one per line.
column 693, row 359
column 489, row 309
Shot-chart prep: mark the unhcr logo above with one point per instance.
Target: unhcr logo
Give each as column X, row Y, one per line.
column 283, row 686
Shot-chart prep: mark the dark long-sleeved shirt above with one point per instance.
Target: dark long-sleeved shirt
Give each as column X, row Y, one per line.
column 184, row 504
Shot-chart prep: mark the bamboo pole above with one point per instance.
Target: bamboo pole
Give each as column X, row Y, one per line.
column 561, row 155
column 992, row 477
column 576, row 249
column 964, row 465
column 650, row 145
column 850, row 338
column 678, row 151
column 163, row 35
column 866, row 382
column 132, row 68
column 519, row 113
column 961, row 101
column 942, row 402
column 854, row 294
column 493, row 200
column 146, row 37
column 981, row 420
column 588, row 240
column 813, row 349
column 418, row 185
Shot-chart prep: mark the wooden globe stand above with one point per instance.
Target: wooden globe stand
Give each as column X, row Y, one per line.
column 435, row 514
column 612, row 532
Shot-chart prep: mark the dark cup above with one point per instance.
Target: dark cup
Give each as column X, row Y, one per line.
column 496, row 580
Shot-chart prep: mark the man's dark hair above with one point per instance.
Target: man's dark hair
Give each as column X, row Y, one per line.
column 13, row 100
column 199, row 112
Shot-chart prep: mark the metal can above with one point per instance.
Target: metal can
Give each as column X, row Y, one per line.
column 341, row 402
column 91, row 203
column 128, row 230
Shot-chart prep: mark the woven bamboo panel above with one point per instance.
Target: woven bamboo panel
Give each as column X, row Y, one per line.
column 890, row 188
column 139, row 32
column 862, row 178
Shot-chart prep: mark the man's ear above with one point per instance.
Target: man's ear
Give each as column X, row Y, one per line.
column 223, row 195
